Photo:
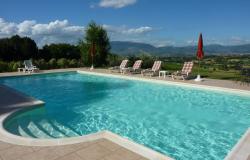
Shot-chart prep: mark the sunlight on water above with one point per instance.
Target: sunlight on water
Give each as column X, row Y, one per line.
column 182, row 123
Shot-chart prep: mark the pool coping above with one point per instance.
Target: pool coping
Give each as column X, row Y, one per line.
column 5, row 136
column 139, row 149
column 33, row 102
column 145, row 79
column 241, row 149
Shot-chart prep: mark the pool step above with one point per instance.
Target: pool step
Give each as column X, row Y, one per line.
column 46, row 129
column 38, row 131
column 23, row 133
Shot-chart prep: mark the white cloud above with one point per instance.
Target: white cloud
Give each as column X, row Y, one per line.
column 235, row 40
column 63, row 32
column 127, row 31
column 7, row 28
column 115, row 3
column 53, row 32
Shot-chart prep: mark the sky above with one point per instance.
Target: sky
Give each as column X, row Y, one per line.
column 157, row 22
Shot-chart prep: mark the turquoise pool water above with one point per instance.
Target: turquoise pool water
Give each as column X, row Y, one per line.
column 183, row 123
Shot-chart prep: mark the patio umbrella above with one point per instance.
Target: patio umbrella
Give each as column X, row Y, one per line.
column 200, row 55
column 92, row 54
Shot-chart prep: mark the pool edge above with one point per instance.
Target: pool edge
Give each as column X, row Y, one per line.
column 109, row 135
column 197, row 86
column 241, row 148
column 139, row 149
column 238, row 149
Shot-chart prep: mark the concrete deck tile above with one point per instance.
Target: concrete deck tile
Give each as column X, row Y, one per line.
column 123, row 153
column 5, row 145
column 142, row 158
column 37, row 148
column 72, row 156
column 15, row 152
column 43, row 154
column 67, row 149
column 93, row 152
column 109, row 145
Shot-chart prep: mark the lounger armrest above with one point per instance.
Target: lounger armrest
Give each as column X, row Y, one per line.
column 147, row 70
column 185, row 73
column 115, row 67
column 176, row 73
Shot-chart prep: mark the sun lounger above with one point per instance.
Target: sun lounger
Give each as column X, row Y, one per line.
column 152, row 71
column 29, row 67
column 121, row 67
column 185, row 72
column 135, row 69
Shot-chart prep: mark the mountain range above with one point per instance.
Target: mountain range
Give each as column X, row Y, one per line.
column 134, row 48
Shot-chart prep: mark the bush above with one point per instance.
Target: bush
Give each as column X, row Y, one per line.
column 4, row 66
column 41, row 64
column 114, row 60
column 52, row 63
column 147, row 60
column 62, row 63
column 15, row 65
column 73, row 63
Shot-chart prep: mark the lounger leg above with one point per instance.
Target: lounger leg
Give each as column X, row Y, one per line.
column 183, row 78
column 172, row 76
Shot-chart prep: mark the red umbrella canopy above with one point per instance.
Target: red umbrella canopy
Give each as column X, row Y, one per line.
column 200, row 53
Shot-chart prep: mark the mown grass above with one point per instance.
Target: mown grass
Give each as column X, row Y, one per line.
column 205, row 71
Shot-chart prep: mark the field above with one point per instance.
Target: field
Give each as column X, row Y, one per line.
column 215, row 67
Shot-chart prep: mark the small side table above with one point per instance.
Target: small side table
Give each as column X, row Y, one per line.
column 21, row 69
column 163, row 73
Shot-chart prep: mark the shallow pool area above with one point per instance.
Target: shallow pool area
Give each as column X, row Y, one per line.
column 182, row 122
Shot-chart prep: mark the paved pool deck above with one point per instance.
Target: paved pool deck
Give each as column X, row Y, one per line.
column 112, row 147
column 101, row 149
column 207, row 82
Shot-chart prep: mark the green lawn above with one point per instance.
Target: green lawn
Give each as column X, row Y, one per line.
column 208, row 72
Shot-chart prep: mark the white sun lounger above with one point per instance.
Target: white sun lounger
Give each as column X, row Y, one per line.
column 185, row 72
column 121, row 67
column 135, row 69
column 152, row 71
column 29, row 67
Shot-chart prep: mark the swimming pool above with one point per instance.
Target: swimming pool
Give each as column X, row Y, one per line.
column 182, row 122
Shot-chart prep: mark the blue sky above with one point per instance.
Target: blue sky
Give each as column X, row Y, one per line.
column 158, row 22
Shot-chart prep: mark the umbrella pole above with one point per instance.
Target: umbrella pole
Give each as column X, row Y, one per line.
column 92, row 66
column 198, row 78
column 199, row 67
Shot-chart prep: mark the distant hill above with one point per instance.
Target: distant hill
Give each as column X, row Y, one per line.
column 133, row 48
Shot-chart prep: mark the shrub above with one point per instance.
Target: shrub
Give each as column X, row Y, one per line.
column 41, row 64
column 16, row 65
column 147, row 60
column 10, row 66
column 52, row 63
column 62, row 63
column 4, row 66
column 114, row 60
column 80, row 63
column 73, row 63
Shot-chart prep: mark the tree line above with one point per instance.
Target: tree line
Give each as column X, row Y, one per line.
column 15, row 49
column 18, row 48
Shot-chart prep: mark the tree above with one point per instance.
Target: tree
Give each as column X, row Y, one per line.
column 58, row 51
column 17, row 48
column 98, row 35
